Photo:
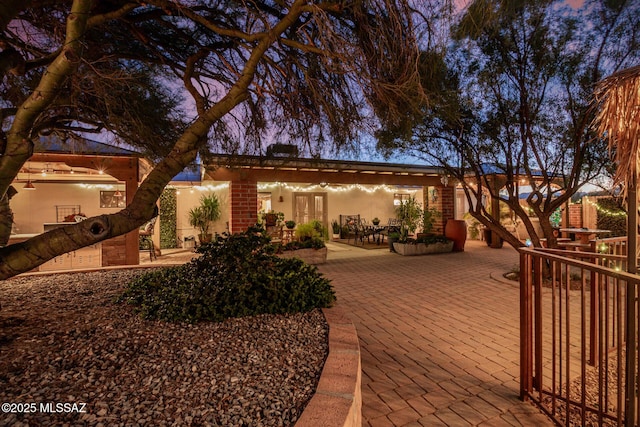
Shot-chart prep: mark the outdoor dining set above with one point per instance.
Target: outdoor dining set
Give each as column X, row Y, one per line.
column 358, row 229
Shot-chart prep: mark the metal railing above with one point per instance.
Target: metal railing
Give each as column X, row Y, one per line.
column 579, row 339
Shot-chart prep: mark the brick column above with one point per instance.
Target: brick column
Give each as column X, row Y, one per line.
column 244, row 205
column 444, row 204
column 447, row 197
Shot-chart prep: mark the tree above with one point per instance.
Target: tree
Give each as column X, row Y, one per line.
column 308, row 70
column 513, row 105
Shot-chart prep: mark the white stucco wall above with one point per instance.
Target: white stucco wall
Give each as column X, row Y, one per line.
column 32, row 208
column 368, row 201
column 188, row 197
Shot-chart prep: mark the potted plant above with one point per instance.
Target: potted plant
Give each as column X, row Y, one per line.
column 410, row 214
column 273, row 218
column 392, row 238
column 335, row 228
column 290, row 224
column 375, row 221
column 202, row 216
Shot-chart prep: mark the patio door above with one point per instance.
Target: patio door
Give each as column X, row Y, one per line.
column 310, row 206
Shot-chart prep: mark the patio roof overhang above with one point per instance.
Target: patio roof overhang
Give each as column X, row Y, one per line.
column 270, row 169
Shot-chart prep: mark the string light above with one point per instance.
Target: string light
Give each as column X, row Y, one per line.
column 606, row 211
column 106, row 187
column 203, row 188
column 334, row 189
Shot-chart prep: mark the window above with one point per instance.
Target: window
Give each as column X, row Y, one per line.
column 264, row 202
column 399, row 198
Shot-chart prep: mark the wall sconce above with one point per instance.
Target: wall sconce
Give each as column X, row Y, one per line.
column 444, row 180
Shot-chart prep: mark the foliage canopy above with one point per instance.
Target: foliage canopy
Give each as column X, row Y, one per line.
column 308, row 72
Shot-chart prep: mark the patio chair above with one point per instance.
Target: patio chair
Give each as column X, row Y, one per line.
column 275, row 232
column 353, row 228
column 393, row 226
column 365, row 230
column 146, row 237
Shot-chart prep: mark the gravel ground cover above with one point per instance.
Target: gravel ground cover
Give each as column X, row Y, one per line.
column 70, row 356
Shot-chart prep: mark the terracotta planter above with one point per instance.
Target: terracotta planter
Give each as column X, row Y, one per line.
column 205, row 238
column 270, row 219
column 456, row 230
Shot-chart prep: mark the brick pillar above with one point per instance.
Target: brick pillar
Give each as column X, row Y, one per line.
column 244, row 205
column 445, row 204
column 575, row 215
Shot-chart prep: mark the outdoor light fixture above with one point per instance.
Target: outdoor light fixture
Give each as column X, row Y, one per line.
column 29, row 185
column 444, row 180
column 434, row 195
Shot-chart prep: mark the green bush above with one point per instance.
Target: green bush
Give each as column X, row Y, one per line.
column 429, row 239
column 312, row 243
column 236, row 275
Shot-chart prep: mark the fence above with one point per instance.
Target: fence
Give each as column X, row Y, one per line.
column 579, row 323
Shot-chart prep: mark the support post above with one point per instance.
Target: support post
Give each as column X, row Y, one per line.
column 631, row 337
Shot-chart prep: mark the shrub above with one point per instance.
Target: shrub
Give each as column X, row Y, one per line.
column 306, row 231
column 236, row 275
column 429, row 239
column 312, row 243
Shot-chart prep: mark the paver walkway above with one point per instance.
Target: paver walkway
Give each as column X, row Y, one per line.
column 439, row 336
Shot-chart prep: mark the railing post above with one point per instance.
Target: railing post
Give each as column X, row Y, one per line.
column 594, row 317
column 525, row 326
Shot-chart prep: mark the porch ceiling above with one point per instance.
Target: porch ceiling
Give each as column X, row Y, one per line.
column 255, row 168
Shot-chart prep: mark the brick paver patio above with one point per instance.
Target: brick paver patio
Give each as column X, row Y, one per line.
column 439, row 336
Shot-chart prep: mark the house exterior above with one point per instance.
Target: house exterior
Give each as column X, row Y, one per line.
column 94, row 178
column 306, row 189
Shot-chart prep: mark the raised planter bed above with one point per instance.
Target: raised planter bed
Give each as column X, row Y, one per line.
column 310, row 256
column 411, row 249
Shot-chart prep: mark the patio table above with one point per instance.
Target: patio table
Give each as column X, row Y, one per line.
column 376, row 233
column 584, row 234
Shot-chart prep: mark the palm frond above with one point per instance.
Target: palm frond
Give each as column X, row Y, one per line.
column 617, row 99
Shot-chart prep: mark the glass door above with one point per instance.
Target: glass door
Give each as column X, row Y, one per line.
column 310, row 206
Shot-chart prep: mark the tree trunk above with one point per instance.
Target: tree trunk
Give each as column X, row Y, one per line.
column 6, row 216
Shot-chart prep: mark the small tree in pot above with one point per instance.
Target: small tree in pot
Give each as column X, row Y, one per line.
column 202, row 216
column 410, row 213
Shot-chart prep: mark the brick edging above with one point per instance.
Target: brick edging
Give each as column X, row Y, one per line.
column 339, row 386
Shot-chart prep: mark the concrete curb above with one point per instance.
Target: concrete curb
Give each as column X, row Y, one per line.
column 338, row 398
